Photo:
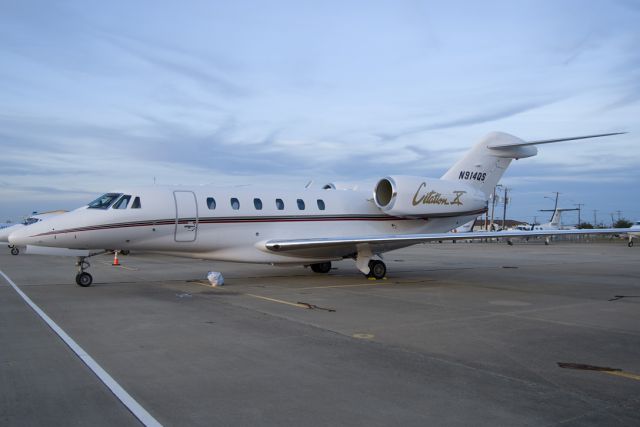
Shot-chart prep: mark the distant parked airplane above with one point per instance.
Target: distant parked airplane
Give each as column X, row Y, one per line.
column 635, row 232
column 556, row 222
column 31, row 219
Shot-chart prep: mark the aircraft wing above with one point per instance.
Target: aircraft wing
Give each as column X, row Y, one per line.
column 338, row 247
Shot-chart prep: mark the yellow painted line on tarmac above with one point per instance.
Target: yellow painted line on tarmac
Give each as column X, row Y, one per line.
column 372, row 283
column 119, row 266
column 277, row 300
column 346, row 286
column 363, row 336
column 623, row 374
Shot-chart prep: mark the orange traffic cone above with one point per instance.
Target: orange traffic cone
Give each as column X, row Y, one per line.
column 115, row 259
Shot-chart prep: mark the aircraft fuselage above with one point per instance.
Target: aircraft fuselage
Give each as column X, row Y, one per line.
column 229, row 224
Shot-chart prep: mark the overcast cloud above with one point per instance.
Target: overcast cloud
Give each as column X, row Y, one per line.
column 94, row 95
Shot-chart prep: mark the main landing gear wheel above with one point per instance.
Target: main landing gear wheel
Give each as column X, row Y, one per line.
column 630, row 244
column 322, row 267
column 84, row 279
column 15, row 251
column 377, row 269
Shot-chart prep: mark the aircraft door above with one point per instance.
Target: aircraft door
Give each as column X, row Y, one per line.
column 186, row 216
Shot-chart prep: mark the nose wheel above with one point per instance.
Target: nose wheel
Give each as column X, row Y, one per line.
column 15, row 251
column 83, row 278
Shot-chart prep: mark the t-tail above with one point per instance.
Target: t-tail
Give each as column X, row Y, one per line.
column 486, row 162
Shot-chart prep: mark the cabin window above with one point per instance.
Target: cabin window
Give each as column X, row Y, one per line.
column 104, row 201
column 321, row 204
column 122, row 203
column 301, row 204
column 136, row 203
column 279, row 204
column 235, row 204
column 211, row 203
column 257, row 203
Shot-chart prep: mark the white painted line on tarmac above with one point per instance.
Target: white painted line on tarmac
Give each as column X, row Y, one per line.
column 128, row 401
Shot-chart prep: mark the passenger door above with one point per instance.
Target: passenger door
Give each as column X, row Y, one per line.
column 186, row 216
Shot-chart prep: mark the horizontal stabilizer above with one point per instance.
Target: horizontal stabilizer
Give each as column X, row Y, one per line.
column 499, row 145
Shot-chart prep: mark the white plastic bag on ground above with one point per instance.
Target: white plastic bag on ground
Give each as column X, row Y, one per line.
column 215, row 278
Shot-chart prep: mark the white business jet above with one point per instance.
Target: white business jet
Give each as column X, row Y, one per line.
column 31, row 219
column 556, row 221
column 307, row 226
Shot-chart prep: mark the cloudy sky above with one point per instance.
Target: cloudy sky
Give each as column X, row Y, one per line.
column 97, row 94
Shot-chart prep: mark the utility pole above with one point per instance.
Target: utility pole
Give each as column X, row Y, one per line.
column 493, row 206
column 504, row 210
column 595, row 218
column 579, row 205
column 612, row 220
column 619, row 215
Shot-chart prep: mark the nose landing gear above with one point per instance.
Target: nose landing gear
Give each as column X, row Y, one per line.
column 83, row 278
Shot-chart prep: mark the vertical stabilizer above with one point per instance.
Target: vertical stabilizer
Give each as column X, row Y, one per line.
column 482, row 166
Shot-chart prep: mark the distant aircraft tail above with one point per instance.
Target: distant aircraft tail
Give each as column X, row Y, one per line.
column 486, row 162
column 555, row 219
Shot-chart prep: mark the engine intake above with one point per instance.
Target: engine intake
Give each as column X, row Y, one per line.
column 417, row 197
column 385, row 192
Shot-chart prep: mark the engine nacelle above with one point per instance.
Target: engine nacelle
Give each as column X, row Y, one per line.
column 417, row 197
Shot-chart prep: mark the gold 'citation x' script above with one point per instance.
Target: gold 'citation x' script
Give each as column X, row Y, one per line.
column 435, row 198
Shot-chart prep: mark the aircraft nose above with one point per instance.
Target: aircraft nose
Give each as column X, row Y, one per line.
column 4, row 235
column 19, row 237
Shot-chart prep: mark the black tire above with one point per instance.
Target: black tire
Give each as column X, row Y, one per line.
column 124, row 252
column 15, row 251
column 630, row 244
column 322, row 267
column 377, row 269
column 84, row 279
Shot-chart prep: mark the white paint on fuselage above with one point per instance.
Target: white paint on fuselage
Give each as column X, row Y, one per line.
column 230, row 240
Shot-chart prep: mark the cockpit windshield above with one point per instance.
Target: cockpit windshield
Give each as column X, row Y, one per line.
column 104, row 201
column 30, row 220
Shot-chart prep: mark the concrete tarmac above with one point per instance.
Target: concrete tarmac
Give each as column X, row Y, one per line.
column 459, row 334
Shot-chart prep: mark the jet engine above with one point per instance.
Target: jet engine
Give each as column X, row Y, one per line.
column 417, row 197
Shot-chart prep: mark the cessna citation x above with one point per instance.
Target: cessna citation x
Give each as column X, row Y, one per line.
column 308, row 226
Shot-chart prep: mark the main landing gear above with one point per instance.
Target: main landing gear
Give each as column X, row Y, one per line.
column 14, row 250
column 630, row 244
column 377, row 269
column 83, row 278
column 322, row 267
